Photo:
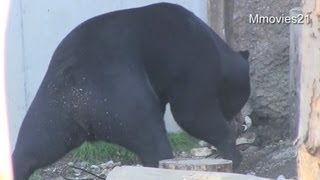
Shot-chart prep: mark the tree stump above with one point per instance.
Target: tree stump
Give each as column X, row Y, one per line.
column 211, row 165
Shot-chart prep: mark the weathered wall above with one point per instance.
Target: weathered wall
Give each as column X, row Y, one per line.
column 269, row 60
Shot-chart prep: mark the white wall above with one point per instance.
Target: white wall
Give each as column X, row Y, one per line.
column 15, row 75
column 36, row 29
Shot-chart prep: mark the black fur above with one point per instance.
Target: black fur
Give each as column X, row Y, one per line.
column 112, row 76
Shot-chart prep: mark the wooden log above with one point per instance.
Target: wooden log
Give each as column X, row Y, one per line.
column 212, row 165
column 294, row 77
column 144, row 173
column 309, row 94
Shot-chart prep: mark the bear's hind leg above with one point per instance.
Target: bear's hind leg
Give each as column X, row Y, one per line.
column 134, row 120
column 46, row 134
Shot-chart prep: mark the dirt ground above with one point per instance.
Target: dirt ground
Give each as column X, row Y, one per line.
column 272, row 161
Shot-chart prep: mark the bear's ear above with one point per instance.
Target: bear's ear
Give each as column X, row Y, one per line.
column 245, row 54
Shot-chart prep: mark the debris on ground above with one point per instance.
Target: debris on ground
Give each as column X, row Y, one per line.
column 201, row 152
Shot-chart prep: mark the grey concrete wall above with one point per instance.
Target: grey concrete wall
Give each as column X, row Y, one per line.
column 269, row 60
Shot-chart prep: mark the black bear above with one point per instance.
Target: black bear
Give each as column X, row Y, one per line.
column 111, row 77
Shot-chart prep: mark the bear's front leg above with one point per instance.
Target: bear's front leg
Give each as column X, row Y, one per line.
column 202, row 118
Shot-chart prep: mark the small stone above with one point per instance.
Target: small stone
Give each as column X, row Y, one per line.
column 70, row 164
column 47, row 169
column 83, row 164
column 204, row 144
column 252, row 149
column 117, row 164
column 277, row 138
column 281, row 177
column 214, row 148
column 59, row 178
column 95, row 167
column 201, row 152
column 110, row 164
column 247, row 138
column 77, row 172
column 54, row 170
column 247, row 123
column 107, row 165
column 251, row 173
column 105, row 172
column 183, row 154
column 243, row 147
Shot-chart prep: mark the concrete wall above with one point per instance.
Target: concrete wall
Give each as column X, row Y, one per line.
column 269, row 63
column 36, row 28
column 15, row 66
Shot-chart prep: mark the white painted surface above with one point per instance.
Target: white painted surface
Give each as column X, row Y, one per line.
column 37, row 31
column 171, row 124
column 15, row 78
